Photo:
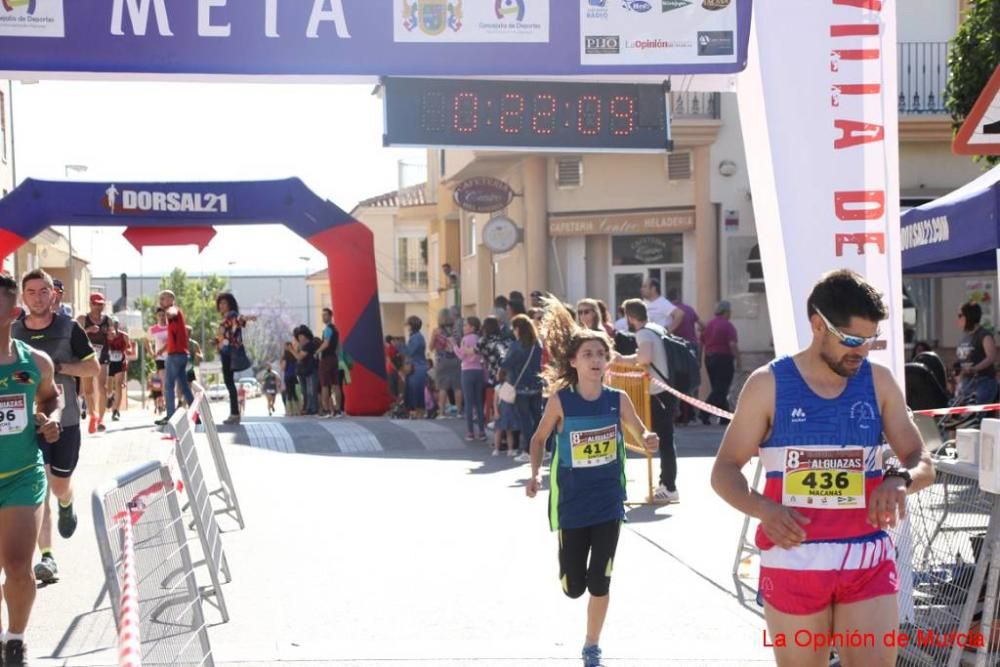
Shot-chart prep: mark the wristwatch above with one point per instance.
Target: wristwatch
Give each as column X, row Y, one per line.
column 902, row 473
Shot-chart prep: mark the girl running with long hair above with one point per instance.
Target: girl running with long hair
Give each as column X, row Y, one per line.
column 587, row 497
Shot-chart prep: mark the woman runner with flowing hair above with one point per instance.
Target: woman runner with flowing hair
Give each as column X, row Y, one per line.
column 587, row 499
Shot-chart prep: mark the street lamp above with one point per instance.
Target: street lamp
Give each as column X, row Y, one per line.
column 306, row 277
column 80, row 169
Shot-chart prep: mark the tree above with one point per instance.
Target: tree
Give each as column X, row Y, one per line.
column 265, row 338
column 975, row 54
column 196, row 296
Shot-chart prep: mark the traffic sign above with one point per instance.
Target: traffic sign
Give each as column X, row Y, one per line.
column 980, row 133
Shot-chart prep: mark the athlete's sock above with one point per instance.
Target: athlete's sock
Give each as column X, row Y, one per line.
column 13, row 636
column 65, row 505
column 46, row 552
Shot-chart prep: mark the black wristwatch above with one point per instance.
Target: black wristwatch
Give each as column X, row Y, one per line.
column 902, row 473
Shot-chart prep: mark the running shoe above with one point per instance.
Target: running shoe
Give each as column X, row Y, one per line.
column 46, row 571
column 592, row 656
column 469, row 437
column 524, row 457
column 482, row 437
column 497, row 452
column 513, row 452
column 231, row 419
column 661, row 494
column 161, row 422
column 67, row 521
column 92, row 425
column 15, row 653
column 101, row 427
column 115, row 416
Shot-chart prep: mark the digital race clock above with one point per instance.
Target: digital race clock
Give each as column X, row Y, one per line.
column 536, row 115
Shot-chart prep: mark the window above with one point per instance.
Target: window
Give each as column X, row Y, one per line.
column 471, row 235
column 411, row 262
column 756, row 271
column 649, row 249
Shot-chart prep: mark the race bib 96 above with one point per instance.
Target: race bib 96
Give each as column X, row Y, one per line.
column 13, row 414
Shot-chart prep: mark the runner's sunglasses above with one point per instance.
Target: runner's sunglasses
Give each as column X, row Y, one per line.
column 847, row 340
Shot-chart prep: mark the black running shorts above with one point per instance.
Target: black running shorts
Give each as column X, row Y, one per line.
column 575, row 546
column 63, row 455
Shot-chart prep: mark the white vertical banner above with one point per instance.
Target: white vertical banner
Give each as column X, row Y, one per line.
column 818, row 108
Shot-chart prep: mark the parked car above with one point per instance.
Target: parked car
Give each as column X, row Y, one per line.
column 217, row 392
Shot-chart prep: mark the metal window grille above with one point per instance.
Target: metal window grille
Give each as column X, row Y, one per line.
column 569, row 172
column 679, row 166
column 923, row 75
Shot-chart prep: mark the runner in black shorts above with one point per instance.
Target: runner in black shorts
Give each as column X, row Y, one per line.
column 586, row 505
column 67, row 345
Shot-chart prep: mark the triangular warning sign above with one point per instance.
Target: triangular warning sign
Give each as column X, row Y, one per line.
column 980, row 133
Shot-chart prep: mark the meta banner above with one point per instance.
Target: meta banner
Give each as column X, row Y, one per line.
column 818, row 105
column 371, row 38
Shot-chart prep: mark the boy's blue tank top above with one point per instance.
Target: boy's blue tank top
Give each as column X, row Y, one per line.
column 588, row 464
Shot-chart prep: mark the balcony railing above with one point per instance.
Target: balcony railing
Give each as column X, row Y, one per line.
column 412, row 275
column 695, row 105
column 923, row 73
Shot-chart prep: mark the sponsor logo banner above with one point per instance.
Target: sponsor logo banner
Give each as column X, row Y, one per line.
column 32, row 18
column 679, row 32
column 472, row 21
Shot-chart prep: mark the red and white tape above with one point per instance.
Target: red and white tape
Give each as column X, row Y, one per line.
column 129, row 644
column 710, row 409
column 960, row 410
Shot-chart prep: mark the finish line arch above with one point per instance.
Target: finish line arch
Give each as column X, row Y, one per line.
column 184, row 208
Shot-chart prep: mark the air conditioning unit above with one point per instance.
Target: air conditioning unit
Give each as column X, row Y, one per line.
column 989, row 458
column 569, row 172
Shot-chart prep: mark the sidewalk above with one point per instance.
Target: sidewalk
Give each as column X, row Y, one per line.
column 427, row 556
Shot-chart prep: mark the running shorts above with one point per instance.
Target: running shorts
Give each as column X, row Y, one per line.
column 599, row 543
column 329, row 370
column 811, row 577
column 115, row 367
column 62, row 455
column 25, row 488
column 161, row 364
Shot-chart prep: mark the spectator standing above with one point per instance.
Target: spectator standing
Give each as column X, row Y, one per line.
column 329, row 367
column 662, row 404
column 690, row 328
column 156, row 345
column 447, row 367
column 58, row 307
column 720, row 342
column 177, row 354
column 522, row 366
column 473, row 379
column 659, row 310
column 492, row 347
column 289, row 394
column 588, row 315
column 307, row 368
column 609, row 327
column 415, row 354
column 976, row 354
column 230, row 337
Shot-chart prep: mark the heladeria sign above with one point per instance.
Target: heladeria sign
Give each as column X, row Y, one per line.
column 371, row 38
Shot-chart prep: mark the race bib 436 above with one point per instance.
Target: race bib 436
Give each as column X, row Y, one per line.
column 824, row 478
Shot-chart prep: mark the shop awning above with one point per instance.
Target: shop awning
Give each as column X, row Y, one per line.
column 958, row 233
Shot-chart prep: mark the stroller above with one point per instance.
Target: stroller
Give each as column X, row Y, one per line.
column 926, row 389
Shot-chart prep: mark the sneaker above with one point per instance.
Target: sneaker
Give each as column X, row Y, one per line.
column 523, row 457
column 469, row 437
column 496, row 452
column 231, row 419
column 482, row 437
column 92, row 425
column 662, row 495
column 115, row 416
column 159, row 422
column 592, row 656
column 46, row 570
column 513, row 452
column 15, row 653
column 101, row 427
column 67, row 521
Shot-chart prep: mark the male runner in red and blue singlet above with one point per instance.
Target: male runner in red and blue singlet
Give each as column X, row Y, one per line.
column 817, row 420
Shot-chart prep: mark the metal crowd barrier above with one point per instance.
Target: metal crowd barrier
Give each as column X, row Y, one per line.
column 200, row 503
column 172, row 624
column 226, row 491
column 634, row 382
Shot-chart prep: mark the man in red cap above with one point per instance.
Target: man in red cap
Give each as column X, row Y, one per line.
column 95, row 389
